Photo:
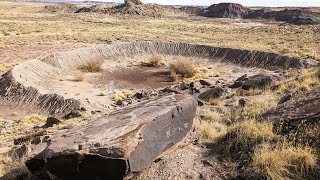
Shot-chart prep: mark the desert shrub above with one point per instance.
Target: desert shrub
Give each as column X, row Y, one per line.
column 79, row 76
column 282, row 161
column 154, row 60
column 183, row 68
column 93, row 65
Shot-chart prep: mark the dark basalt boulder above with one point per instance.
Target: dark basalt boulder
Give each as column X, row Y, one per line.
column 116, row 145
column 297, row 112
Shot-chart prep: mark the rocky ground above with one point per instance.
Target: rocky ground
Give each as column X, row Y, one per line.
column 153, row 109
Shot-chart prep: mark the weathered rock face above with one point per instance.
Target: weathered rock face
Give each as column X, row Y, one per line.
column 125, row 141
column 227, row 10
column 295, row 112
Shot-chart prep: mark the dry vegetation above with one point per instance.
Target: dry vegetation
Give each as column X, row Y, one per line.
column 261, row 150
column 93, row 65
column 182, row 69
column 154, row 60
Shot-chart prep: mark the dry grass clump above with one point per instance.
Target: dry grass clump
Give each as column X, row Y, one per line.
column 212, row 116
column 249, row 131
column 183, row 68
column 284, row 161
column 3, row 68
column 214, row 101
column 213, row 131
column 93, row 65
column 33, row 119
column 155, row 60
column 253, row 109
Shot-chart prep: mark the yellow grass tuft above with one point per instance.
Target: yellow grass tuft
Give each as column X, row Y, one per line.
column 251, row 130
column 213, row 131
column 103, row 93
column 213, row 116
column 33, row 119
column 214, row 101
column 283, row 161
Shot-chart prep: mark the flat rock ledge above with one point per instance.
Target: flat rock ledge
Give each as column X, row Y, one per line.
column 118, row 144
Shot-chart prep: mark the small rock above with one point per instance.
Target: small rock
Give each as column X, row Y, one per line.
column 50, row 122
column 285, row 98
column 209, row 93
column 119, row 103
column 243, row 78
column 183, row 86
column 72, row 114
column 243, row 102
column 205, row 83
column 83, row 109
column 138, row 95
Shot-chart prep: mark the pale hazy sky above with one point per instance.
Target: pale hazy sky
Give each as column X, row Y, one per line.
column 243, row 2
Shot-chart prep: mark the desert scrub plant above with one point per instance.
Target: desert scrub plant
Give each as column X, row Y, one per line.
column 184, row 68
column 155, row 60
column 282, row 161
column 79, row 76
column 93, row 65
column 122, row 95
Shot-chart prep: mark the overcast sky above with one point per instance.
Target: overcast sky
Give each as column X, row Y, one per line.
column 243, row 2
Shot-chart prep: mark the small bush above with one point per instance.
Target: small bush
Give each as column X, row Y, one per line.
column 94, row 65
column 154, row 61
column 183, row 68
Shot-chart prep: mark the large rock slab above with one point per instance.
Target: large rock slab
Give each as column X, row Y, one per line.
column 115, row 145
column 290, row 115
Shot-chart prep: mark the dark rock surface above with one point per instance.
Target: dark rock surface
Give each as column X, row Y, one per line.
column 261, row 80
column 304, row 110
column 120, row 143
column 209, row 93
column 51, row 121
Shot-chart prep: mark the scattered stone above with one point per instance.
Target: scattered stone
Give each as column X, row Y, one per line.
column 183, row 86
column 73, row 114
column 285, row 98
column 205, row 83
column 243, row 102
column 33, row 138
column 51, row 121
column 119, row 103
column 83, row 109
column 210, row 93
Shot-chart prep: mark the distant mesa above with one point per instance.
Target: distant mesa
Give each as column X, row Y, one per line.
column 302, row 16
column 227, row 10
